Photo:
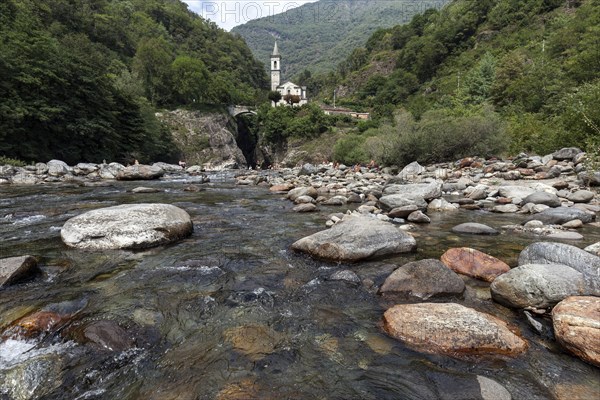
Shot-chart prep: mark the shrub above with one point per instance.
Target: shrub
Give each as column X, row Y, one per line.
column 11, row 161
column 349, row 150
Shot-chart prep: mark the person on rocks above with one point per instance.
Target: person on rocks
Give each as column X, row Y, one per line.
column 182, row 164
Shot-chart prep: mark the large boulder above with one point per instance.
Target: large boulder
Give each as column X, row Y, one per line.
column 548, row 199
column 392, row 201
column 590, row 178
column 560, row 215
column 57, row 168
column 140, row 172
column 576, row 323
column 581, row 196
column 293, row 194
column 411, row 170
column 566, row 153
column 427, row 191
column 538, row 285
column 422, row 280
column 474, row 228
column 560, row 253
column 474, row 263
column 110, row 171
column 130, row 226
column 357, row 238
column 14, row 268
column 515, row 192
column 451, row 329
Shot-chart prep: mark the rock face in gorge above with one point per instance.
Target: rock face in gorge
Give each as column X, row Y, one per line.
column 205, row 138
column 130, row 226
column 451, row 329
column 357, row 238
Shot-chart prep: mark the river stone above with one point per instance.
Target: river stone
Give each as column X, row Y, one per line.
column 305, row 207
column 110, row 171
column 418, row 217
column 23, row 178
column 307, row 170
column 560, row 215
column 85, row 168
column 565, row 235
column 168, row 167
column 255, row 341
column 427, row 191
column 451, row 329
column 549, row 199
column 422, row 280
column 355, row 239
column 590, row 178
column 140, row 172
column 392, row 201
column 573, row 224
column 581, row 196
column 538, row 285
column 441, row 205
column 515, row 191
column 57, row 168
column 474, row 228
column 336, row 201
column 32, row 379
column 402, row 212
column 302, row 191
column 108, row 335
column 412, row 169
column 565, row 254
column 566, row 153
column 284, row 187
column 345, row 275
column 14, row 268
column 474, row 263
column 594, row 249
column 143, row 189
column 506, row 208
column 304, row 200
column 129, row 226
column 576, row 323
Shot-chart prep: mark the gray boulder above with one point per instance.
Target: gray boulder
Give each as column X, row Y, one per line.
column 560, row 215
column 581, row 196
column 302, row 191
column 168, row 167
column 307, row 170
column 549, row 199
column 412, row 169
column 57, row 168
column 15, row 268
column 140, row 172
column 512, row 192
column 590, row 178
column 567, row 153
column 474, row 228
column 357, row 238
column 560, row 253
column 422, row 280
column 401, row 200
column 538, row 285
column 130, row 226
column 85, row 168
column 110, row 171
column 427, row 191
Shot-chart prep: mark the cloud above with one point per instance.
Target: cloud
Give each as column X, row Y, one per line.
column 230, row 13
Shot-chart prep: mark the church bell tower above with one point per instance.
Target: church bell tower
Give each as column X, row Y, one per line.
column 275, row 68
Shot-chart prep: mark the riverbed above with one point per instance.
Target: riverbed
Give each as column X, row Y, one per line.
column 232, row 313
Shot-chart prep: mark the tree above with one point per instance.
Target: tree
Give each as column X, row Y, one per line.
column 190, row 79
column 274, row 96
column 152, row 62
column 291, row 99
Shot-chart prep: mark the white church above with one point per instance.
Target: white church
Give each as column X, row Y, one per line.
column 290, row 92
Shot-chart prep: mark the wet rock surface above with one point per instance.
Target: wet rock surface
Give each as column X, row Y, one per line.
column 451, row 329
column 127, row 227
column 474, row 263
column 356, row 239
column 14, row 269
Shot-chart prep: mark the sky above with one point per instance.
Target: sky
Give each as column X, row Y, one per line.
column 229, row 13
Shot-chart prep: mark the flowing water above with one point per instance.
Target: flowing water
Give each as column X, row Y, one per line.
column 232, row 313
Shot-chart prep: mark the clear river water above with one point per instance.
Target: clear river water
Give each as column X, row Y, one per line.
column 232, row 313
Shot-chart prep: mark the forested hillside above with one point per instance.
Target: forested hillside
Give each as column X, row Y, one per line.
column 478, row 76
column 317, row 36
column 81, row 79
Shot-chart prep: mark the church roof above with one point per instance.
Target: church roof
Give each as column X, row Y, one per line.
column 275, row 50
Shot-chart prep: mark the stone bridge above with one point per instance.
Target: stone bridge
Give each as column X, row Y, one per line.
column 235, row 110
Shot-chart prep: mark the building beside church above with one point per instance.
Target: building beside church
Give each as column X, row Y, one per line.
column 291, row 94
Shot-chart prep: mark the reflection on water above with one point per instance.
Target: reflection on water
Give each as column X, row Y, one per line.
column 231, row 313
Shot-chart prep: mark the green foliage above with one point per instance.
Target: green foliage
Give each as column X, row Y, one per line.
column 323, row 34
column 274, row 96
column 349, row 150
column 11, row 161
column 81, row 80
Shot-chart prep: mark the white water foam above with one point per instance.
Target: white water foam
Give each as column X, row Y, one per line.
column 14, row 351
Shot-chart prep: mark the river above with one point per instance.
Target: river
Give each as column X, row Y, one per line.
column 232, row 313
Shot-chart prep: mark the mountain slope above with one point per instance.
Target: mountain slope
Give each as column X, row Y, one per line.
column 81, row 79
column 317, row 36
